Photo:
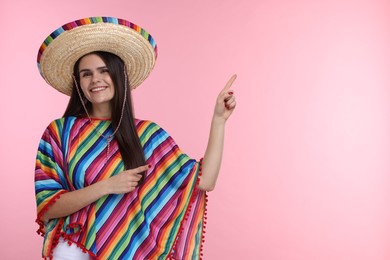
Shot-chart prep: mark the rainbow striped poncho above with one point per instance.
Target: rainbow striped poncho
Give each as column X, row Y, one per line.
column 162, row 219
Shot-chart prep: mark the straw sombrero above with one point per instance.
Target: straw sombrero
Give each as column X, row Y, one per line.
column 63, row 47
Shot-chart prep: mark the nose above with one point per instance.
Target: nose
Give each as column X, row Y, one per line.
column 95, row 78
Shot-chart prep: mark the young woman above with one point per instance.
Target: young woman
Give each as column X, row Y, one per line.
column 109, row 186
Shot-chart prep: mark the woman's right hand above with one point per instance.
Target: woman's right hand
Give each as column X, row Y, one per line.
column 73, row 201
column 125, row 181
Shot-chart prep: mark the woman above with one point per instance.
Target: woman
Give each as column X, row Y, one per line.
column 109, row 186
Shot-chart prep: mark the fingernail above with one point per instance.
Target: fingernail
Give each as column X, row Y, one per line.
column 230, row 92
column 149, row 166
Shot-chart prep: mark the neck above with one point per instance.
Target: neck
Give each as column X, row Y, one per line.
column 101, row 111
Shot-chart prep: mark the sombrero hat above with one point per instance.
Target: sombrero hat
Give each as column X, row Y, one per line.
column 63, row 47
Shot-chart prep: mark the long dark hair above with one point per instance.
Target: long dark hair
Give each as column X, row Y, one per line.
column 129, row 144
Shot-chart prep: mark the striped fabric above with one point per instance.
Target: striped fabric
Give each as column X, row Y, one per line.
column 162, row 219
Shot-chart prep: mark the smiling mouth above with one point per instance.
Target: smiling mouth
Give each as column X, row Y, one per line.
column 96, row 89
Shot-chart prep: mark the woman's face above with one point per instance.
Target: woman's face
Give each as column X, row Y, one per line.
column 95, row 80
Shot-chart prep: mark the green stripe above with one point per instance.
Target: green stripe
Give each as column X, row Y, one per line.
column 86, row 145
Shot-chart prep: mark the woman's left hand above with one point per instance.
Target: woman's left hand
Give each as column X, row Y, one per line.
column 226, row 102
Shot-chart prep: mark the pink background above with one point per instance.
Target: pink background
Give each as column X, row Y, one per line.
column 306, row 164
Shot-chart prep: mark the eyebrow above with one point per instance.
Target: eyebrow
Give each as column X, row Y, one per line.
column 87, row 70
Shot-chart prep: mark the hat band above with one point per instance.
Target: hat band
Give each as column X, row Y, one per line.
column 92, row 20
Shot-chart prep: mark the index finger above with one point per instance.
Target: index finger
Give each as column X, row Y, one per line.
column 140, row 169
column 229, row 83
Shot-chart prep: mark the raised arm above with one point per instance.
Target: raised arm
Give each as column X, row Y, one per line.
column 224, row 107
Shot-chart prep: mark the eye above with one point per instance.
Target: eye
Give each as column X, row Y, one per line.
column 104, row 70
column 85, row 74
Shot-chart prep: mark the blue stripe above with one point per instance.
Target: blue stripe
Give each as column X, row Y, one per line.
column 45, row 149
column 154, row 141
column 107, row 208
column 85, row 161
column 156, row 206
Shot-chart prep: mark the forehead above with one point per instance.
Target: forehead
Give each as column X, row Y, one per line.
column 91, row 61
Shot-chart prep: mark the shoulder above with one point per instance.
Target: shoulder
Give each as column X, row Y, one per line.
column 60, row 122
column 143, row 125
column 58, row 125
column 149, row 130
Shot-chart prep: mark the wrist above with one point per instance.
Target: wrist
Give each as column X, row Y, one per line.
column 103, row 188
column 217, row 120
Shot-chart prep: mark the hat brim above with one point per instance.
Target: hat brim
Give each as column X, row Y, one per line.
column 66, row 45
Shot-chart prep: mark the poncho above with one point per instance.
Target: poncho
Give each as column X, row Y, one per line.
column 161, row 219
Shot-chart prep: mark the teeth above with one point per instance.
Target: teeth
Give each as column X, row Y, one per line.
column 97, row 89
